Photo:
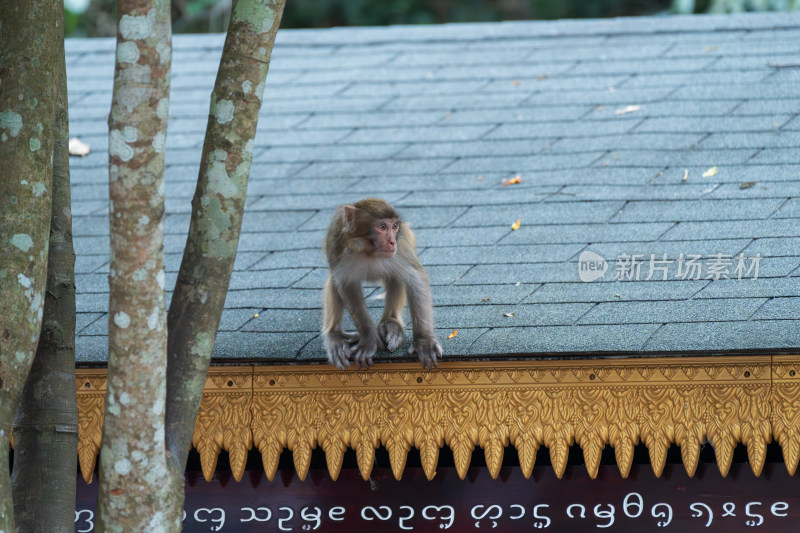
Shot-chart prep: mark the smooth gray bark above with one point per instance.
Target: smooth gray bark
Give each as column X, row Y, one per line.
column 46, row 422
column 138, row 490
column 217, row 210
column 30, row 32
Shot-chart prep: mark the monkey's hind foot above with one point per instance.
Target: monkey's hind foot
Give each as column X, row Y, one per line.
column 364, row 351
column 337, row 345
column 391, row 335
column 428, row 352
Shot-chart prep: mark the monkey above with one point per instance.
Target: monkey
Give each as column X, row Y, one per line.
column 368, row 241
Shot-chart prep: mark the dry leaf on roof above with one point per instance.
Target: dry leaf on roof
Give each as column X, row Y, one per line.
column 542, row 77
column 710, row 172
column 515, row 225
column 685, row 174
column 627, row 109
column 255, row 315
column 513, row 181
column 746, row 184
column 78, row 147
column 515, row 83
column 455, row 332
column 508, row 315
column 485, row 299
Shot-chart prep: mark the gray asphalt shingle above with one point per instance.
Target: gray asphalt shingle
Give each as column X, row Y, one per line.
column 433, row 118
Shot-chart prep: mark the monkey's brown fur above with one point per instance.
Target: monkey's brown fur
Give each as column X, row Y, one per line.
column 368, row 241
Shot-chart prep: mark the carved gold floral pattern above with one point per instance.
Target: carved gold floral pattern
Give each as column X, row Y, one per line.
column 91, row 393
column 224, row 420
column 592, row 403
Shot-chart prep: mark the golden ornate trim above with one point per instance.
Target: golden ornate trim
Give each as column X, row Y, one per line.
column 528, row 404
column 91, row 391
column 225, row 418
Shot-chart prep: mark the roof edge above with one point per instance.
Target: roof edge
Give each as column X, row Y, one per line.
column 504, row 30
column 656, row 401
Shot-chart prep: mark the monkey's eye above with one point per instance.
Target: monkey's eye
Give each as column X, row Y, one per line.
column 383, row 226
column 394, row 226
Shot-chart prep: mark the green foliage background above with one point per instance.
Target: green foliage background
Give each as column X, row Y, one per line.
column 200, row 16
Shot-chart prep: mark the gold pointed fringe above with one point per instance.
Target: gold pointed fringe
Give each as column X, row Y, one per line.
column 554, row 404
column 224, row 420
column 91, row 394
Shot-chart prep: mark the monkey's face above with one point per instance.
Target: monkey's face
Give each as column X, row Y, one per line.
column 383, row 235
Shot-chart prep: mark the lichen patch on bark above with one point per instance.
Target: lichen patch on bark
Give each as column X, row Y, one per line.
column 11, row 121
column 117, row 146
column 122, row 320
column 22, row 241
column 223, row 110
column 128, row 52
column 137, row 27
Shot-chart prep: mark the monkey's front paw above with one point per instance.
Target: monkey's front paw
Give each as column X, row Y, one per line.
column 364, row 351
column 338, row 347
column 428, row 352
column 391, row 335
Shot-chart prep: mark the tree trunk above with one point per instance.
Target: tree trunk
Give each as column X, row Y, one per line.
column 28, row 46
column 46, row 423
column 217, row 209
column 138, row 490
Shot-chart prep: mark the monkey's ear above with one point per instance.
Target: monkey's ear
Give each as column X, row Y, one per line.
column 349, row 217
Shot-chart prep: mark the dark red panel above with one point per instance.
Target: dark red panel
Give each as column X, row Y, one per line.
column 707, row 502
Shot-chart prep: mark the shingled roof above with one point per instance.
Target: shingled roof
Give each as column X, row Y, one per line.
column 614, row 127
